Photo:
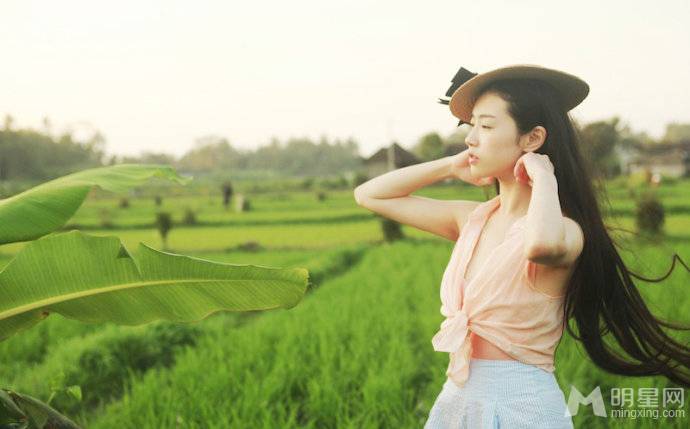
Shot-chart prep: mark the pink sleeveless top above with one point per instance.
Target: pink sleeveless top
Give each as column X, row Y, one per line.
column 500, row 304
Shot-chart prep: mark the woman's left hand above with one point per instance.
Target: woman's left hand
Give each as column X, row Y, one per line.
column 530, row 165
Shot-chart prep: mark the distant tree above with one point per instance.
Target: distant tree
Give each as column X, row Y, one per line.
column 296, row 157
column 227, row 194
column 392, row 230
column 150, row 158
column 457, row 137
column 627, row 137
column 429, row 147
column 649, row 213
column 210, row 153
column 95, row 145
column 189, row 217
column 302, row 157
column 599, row 140
column 164, row 224
column 359, row 178
column 676, row 132
column 307, row 183
column 28, row 154
column 9, row 121
column 47, row 126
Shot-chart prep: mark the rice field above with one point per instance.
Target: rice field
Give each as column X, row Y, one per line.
column 356, row 353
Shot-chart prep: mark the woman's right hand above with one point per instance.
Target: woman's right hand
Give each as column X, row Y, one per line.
column 460, row 168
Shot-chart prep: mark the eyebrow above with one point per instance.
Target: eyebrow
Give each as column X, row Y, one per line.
column 484, row 114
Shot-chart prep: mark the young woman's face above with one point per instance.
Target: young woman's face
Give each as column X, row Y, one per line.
column 493, row 139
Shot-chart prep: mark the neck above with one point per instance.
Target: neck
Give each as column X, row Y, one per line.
column 514, row 198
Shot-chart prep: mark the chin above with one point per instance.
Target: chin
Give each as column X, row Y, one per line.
column 477, row 172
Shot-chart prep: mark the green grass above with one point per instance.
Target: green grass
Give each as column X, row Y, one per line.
column 356, row 353
column 348, row 356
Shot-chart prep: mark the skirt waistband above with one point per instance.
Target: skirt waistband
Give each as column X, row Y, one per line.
column 503, row 378
column 499, row 368
column 505, row 371
column 498, row 362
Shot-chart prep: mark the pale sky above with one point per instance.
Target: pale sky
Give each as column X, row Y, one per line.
column 156, row 75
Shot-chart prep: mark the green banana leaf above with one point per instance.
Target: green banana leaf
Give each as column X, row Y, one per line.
column 21, row 411
column 95, row 279
column 48, row 206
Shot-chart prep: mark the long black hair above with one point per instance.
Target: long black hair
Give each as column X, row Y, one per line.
column 600, row 297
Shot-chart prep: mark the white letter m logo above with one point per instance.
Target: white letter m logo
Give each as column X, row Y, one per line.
column 575, row 399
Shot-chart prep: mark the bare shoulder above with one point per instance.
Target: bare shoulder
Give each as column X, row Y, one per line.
column 462, row 210
column 455, row 211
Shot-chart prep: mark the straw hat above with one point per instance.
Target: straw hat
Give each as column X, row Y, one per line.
column 466, row 85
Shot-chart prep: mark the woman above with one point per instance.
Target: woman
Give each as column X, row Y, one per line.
column 525, row 262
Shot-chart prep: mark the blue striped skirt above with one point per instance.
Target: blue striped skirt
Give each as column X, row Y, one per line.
column 501, row 394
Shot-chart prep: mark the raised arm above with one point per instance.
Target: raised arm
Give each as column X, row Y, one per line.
column 389, row 196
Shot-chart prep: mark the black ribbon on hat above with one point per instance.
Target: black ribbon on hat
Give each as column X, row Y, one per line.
column 462, row 76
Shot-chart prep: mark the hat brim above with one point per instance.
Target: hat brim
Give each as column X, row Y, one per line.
column 572, row 89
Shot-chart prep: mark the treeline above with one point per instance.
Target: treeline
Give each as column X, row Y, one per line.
column 32, row 155
column 295, row 157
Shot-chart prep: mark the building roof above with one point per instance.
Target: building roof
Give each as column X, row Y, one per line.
column 401, row 157
column 662, row 153
column 663, row 147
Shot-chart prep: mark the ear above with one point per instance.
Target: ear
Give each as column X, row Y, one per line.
column 534, row 139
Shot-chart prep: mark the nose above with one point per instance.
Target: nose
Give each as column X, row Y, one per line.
column 470, row 138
